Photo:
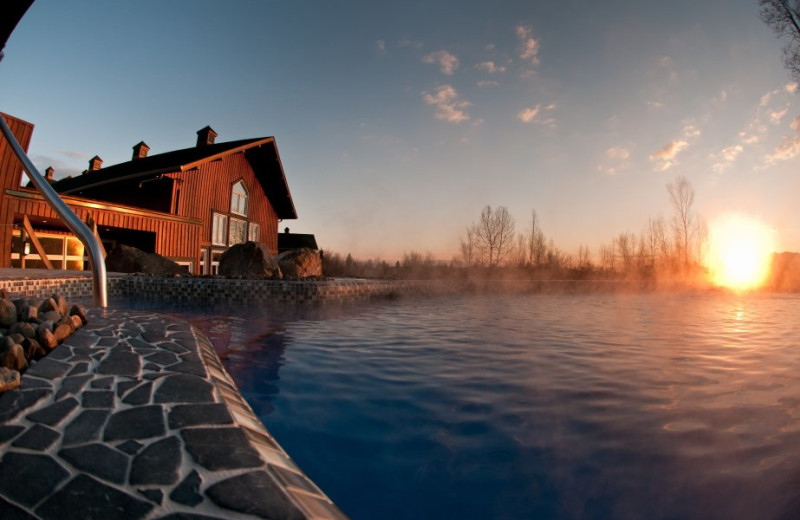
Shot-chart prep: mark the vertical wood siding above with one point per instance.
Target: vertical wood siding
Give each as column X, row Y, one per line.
column 207, row 189
column 10, row 177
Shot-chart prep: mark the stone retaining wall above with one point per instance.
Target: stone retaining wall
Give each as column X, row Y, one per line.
column 222, row 290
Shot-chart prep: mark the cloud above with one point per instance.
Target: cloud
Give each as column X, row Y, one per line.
column 665, row 158
column 795, row 124
column 487, row 83
column 776, row 115
column 448, row 63
column 690, row 131
column 791, row 88
column 788, row 149
column 381, row 46
column 530, row 115
column 726, row 157
column 732, row 152
column 62, row 167
column 766, row 97
column 407, row 42
column 616, row 159
column 748, row 138
column 447, row 103
column 490, row 67
column 618, row 152
column 527, row 115
column 529, row 47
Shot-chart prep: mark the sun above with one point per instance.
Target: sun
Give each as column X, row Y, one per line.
column 741, row 252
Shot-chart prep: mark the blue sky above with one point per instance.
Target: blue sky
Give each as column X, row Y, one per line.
column 398, row 121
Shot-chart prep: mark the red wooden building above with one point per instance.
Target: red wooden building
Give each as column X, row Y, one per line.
column 188, row 205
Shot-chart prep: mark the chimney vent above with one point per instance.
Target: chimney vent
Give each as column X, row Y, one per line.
column 140, row 150
column 206, row 136
column 286, row 231
column 48, row 173
column 95, row 163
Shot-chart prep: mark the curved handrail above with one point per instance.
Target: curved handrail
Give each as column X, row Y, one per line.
column 76, row 225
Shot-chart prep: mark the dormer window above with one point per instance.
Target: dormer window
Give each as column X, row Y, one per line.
column 239, row 199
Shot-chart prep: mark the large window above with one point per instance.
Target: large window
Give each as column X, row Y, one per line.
column 63, row 251
column 252, row 232
column 236, row 234
column 239, row 199
column 219, row 230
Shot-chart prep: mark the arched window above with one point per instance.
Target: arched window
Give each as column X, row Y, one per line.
column 239, row 199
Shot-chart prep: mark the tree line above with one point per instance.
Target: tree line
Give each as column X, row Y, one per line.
column 492, row 246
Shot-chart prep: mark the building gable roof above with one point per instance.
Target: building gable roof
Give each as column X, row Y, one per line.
column 261, row 152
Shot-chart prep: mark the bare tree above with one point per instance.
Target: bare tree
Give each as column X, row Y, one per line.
column 681, row 195
column 521, row 250
column 607, row 257
column 495, row 234
column 537, row 247
column 626, row 247
column 584, row 258
column 469, row 247
column 783, row 16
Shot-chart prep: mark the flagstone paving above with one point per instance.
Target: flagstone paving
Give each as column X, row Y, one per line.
column 134, row 417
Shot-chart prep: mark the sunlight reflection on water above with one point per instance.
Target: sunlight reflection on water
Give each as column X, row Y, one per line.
column 574, row 406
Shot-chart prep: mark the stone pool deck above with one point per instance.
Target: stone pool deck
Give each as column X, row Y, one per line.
column 134, row 417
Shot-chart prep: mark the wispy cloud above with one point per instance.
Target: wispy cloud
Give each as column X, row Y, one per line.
column 791, row 88
column 408, row 42
column 527, row 115
column 726, row 157
column 380, row 45
column 748, row 138
column 666, row 157
column 487, row 83
column 529, row 46
column 788, row 149
column 766, row 97
column 448, row 63
column 537, row 114
column 690, row 131
column 776, row 115
column 490, row 67
column 449, row 107
column 615, row 159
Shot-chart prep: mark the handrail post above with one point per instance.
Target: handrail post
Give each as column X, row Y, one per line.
column 76, row 225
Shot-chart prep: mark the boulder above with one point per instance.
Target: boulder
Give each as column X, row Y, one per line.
column 300, row 263
column 24, row 328
column 9, row 379
column 45, row 337
column 248, row 260
column 8, row 313
column 79, row 311
column 14, row 358
column 126, row 259
column 33, row 350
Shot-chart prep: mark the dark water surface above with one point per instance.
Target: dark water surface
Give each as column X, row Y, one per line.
column 651, row 406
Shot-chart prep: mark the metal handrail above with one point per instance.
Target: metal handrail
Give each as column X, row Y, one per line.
column 76, row 225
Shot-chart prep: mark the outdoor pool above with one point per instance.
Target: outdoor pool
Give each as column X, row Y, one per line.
column 681, row 405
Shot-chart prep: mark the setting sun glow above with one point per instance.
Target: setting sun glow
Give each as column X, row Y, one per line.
column 741, row 252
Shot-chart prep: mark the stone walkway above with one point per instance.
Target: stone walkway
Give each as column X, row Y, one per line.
column 134, row 417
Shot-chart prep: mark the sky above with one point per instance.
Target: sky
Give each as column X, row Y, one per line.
column 397, row 122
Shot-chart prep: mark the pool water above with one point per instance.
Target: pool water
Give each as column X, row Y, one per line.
column 673, row 406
